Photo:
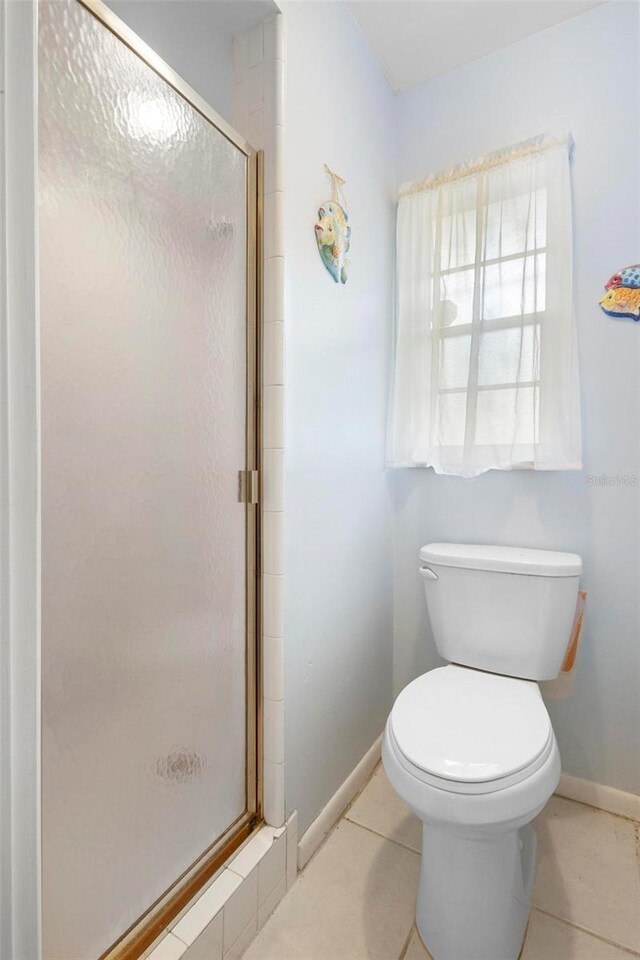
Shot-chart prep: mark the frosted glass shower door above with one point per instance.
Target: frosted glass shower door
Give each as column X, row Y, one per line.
column 146, row 598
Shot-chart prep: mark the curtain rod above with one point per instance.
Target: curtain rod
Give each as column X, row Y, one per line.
column 523, row 149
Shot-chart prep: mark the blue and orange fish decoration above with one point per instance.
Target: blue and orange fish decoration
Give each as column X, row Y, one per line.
column 333, row 236
column 622, row 299
column 333, row 233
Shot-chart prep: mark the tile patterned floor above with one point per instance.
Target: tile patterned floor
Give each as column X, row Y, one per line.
column 355, row 898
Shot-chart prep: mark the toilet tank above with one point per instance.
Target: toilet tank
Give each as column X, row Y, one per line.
column 508, row 610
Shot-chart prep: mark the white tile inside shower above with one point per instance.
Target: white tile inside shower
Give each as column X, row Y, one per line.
column 272, row 558
column 259, row 94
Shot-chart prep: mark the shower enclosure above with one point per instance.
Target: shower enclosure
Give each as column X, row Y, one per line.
column 148, row 221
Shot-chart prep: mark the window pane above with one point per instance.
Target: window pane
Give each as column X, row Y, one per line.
column 514, row 287
column 454, row 362
column 458, row 289
column 509, row 356
column 516, row 224
column 507, row 416
column 450, row 419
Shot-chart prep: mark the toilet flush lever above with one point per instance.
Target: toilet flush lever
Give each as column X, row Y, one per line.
column 428, row 574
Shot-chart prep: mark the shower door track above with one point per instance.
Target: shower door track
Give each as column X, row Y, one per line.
column 160, row 914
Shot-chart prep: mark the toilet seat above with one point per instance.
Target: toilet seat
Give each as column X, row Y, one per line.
column 479, row 788
column 466, row 731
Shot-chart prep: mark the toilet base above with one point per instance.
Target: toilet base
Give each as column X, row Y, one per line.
column 474, row 897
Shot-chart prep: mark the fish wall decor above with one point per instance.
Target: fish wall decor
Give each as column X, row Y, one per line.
column 622, row 299
column 332, row 231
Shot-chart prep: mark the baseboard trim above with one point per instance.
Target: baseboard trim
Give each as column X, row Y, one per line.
column 338, row 803
column 600, row 796
column 593, row 794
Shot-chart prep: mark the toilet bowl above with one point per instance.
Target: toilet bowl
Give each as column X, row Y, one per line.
column 472, row 752
column 478, row 860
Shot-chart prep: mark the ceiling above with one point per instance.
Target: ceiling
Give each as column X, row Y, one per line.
column 417, row 40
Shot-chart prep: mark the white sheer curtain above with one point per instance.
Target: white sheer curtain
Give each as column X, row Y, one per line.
column 486, row 372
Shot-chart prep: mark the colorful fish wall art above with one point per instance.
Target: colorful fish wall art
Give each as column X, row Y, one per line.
column 332, row 231
column 622, row 299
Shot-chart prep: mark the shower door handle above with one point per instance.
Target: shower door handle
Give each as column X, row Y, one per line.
column 248, row 486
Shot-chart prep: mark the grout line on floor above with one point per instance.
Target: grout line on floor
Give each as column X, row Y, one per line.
column 383, row 836
column 343, row 816
column 403, row 952
column 592, row 806
column 592, row 933
column 587, row 930
column 360, row 792
column 320, row 846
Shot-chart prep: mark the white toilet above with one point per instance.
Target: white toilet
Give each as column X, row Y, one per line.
column 470, row 748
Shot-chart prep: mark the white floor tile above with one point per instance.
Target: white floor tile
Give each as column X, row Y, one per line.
column 355, row 899
column 547, row 939
column 380, row 808
column 550, row 939
column 587, row 870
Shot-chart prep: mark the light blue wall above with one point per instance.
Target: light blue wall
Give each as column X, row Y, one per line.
column 338, row 548
column 187, row 34
column 583, row 76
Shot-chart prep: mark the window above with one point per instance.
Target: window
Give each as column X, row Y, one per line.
column 485, row 367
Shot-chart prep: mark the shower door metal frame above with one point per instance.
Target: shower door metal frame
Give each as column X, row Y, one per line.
column 159, row 915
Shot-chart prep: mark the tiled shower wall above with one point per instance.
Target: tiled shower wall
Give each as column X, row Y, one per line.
column 258, row 114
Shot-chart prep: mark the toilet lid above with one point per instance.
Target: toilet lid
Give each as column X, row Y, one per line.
column 466, row 725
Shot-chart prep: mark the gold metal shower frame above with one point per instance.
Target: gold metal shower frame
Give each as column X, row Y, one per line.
column 160, row 914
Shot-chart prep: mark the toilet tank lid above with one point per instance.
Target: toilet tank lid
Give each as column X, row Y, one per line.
column 523, row 560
